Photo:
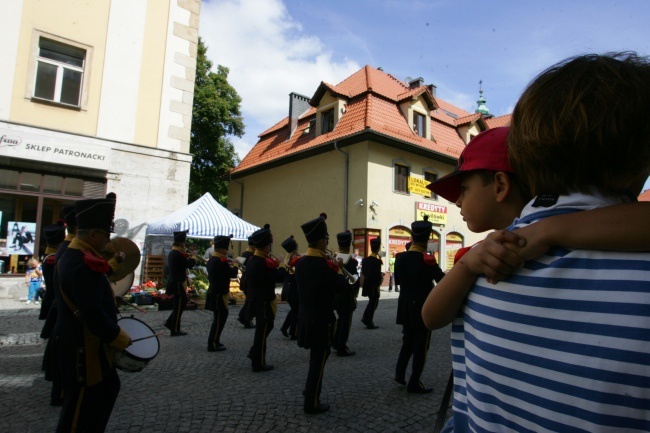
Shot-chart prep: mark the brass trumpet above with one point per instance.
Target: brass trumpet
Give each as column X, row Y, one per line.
column 352, row 278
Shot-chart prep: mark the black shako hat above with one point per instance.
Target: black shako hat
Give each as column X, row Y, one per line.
column 180, row 237
column 222, row 242
column 55, row 233
column 421, row 230
column 375, row 243
column 262, row 237
column 408, row 246
column 250, row 242
column 315, row 229
column 96, row 213
column 289, row 244
column 344, row 239
column 69, row 216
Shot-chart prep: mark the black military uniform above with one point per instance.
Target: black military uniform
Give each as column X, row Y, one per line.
column 54, row 234
column 372, row 279
column 290, row 291
column 262, row 273
column 319, row 280
column 415, row 270
column 346, row 301
column 179, row 262
column 395, row 273
column 220, row 272
column 244, row 316
column 87, row 328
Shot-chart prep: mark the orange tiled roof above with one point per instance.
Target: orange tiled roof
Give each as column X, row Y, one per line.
column 496, row 122
column 372, row 98
column 645, row 195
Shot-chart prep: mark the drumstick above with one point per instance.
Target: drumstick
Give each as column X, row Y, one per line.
column 148, row 336
column 131, row 305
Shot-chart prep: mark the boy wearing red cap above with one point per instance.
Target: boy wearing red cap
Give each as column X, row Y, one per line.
column 565, row 332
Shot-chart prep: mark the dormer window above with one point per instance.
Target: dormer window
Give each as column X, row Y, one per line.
column 419, row 125
column 327, row 121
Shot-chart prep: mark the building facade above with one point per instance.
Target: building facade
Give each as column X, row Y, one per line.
column 362, row 151
column 95, row 97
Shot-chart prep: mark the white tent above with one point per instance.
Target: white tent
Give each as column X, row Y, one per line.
column 204, row 218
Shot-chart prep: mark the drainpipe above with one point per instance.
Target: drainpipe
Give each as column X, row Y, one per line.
column 345, row 187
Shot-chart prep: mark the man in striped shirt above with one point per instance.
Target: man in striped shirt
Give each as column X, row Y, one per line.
column 564, row 344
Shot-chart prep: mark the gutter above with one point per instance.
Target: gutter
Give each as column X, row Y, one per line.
column 345, row 186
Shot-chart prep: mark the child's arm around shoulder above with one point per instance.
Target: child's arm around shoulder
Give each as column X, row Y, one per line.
column 488, row 257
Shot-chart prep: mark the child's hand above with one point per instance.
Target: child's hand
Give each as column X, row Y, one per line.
column 495, row 256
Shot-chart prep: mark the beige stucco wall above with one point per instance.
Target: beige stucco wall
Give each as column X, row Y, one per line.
column 290, row 195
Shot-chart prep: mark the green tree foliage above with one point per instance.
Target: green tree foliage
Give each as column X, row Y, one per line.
column 215, row 116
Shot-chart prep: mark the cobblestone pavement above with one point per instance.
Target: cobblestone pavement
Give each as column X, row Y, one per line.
column 187, row 389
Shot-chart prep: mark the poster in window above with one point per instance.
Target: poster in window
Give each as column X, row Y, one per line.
column 20, row 238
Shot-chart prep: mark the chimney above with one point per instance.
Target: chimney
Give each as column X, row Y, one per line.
column 432, row 89
column 417, row 82
column 298, row 104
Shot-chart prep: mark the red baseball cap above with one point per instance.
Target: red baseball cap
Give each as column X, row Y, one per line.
column 486, row 151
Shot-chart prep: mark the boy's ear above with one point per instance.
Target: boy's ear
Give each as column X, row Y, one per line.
column 502, row 186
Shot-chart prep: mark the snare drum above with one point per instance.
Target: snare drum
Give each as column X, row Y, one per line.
column 135, row 357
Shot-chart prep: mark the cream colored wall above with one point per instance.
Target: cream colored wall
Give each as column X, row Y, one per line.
column 151, row 73
column 419, row 105
column 399, row 209
column 290, row 195
column 81, row 22
column 328, row 102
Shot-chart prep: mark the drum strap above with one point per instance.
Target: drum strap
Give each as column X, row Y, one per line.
column 91, row 343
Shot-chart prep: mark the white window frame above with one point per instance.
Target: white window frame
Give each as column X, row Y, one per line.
column 431, row 170
column 402, row 163
column 34, row 60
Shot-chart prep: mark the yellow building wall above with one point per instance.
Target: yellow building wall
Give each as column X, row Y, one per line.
column 79, row 21
column 151, row 73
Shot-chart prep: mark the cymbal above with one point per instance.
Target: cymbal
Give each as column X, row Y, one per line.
column 121, row 287
column 131, row 259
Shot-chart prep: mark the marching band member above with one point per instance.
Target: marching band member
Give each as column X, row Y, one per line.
column 244, row 316
column 54, row 234
column 290, row 289
column 415, row 270
column 262, row 272
column 319, row 279
column 220, row 271
column 179, row 262
column 346, row 301
column 87, row 330
column 372, row 279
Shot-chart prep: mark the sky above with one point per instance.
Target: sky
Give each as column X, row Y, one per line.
column 275, row 47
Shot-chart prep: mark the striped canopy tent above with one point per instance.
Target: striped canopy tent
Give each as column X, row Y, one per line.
column 204, row 218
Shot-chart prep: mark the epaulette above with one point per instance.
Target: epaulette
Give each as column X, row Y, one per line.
column 96, row 264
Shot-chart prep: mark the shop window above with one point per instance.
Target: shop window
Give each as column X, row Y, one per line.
column 8, row 179
column 30, row 181
column 401, row 178
column 74, row 187
column 52, row 184
column 430, row 176
column 419, row 125
column 327, row 121
column 59, row 72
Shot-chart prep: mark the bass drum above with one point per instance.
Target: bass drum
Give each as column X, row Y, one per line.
column 122, row 287
column 135, row 358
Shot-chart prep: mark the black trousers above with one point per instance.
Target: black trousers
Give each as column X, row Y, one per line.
column 88, row 409
column 342, row 329
column 373, row 301
column 220, row 313
column 291, row 321
column 415, row 342
column 319, row 351
column 245, row 315
column 264, row 321
column 174, row 320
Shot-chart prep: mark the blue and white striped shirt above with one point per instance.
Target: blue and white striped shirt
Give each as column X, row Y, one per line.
column 562, row 345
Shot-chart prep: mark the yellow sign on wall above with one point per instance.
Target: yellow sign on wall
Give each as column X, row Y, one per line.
column 419, row 186
column 437, row 213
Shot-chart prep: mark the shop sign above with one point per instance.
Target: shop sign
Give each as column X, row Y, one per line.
column 437, row 213
column 71, row 150
column 419, row 186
